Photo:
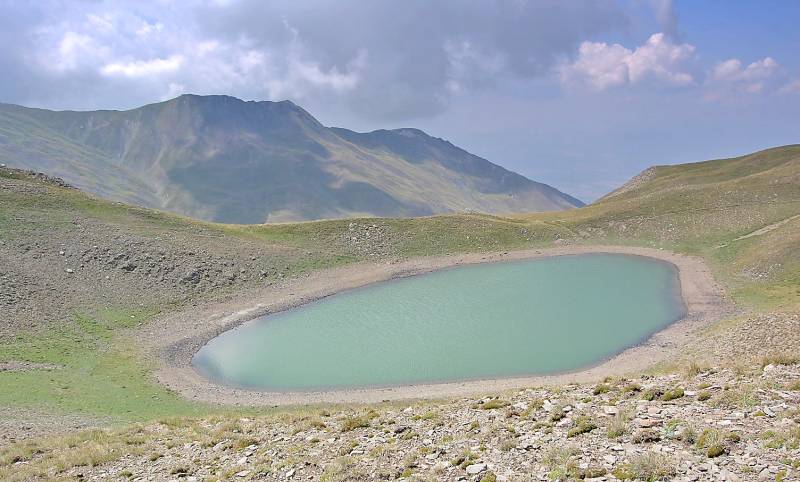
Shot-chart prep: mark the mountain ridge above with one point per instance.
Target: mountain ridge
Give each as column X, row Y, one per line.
column 223, row 159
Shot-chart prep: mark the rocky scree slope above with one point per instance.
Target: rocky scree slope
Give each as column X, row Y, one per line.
column 707, row 424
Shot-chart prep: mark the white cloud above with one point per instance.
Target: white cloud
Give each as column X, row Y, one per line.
column 332, row 78
column 302, row 74
column 750, row 79
column 601, row 65
column 149, row 28
column 174, row 89
column 469, row 65
column 792, row 87
column 144, row 68
column 103, row 23
column 69, row 51
column 296, row 73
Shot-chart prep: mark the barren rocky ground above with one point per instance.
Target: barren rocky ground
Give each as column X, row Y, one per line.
column 85, row 262
column 705, row 423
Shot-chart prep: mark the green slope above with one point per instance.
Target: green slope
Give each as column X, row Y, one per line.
column 25, row 142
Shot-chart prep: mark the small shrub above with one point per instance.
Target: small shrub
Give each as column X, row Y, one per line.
column 715, row 451
column 561, row 462
column 739, row 397
column 688, row 435
column 703, row 395
column 425, row 416
column 245, row 442
column 494, row 404
column 347, row 448
column 618, row 425
column 623, row 472
column 463, row 459
column 410, row 461
column 652, row 467
column 631, row 388
column 652, row 393
column 341, row 470
column 694, row 368
column 780, row 359
column 593, row 472
column 536, row 404
column 794, row 386
column 601, row 388
column 558, row 413
column 673, row 394
column 646, row 436
column 786, row 438
column 580, row 425
column 352, row 423
column 716, row 442
column 508, row 444
column 489, row 477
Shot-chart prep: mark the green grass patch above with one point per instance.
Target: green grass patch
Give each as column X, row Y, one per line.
column 104, row 373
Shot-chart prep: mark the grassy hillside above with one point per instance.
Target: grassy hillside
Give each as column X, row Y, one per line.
column 79, row 275
column 222, row 159
column 710, row 208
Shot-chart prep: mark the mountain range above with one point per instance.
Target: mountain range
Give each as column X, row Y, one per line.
column 222, row 159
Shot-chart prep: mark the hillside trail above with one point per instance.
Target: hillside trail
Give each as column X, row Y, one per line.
column 764, row 230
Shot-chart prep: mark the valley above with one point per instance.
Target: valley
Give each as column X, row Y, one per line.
column 88, row 285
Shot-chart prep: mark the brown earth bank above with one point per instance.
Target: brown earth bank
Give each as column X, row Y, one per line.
column 177, row 337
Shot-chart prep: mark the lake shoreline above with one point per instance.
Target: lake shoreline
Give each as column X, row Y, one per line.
column 177, row 337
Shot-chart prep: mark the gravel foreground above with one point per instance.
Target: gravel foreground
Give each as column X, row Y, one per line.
column 719, row 424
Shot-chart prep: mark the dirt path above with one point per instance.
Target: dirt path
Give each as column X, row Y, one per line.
column 761, row 231
column 769, row 228
column 177, row 337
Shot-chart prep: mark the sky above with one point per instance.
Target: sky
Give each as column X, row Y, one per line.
column 581, row 95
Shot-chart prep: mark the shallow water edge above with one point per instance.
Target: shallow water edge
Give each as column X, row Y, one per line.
column 498, row 320
column 175, row 338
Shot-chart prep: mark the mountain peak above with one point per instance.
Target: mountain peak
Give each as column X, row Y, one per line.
column 221, row 99
column 221, row 158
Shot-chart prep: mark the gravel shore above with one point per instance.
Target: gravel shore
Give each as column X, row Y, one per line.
column 177, row 337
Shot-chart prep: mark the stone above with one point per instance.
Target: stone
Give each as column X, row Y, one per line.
column 647, row 422
column 609, row 410
column 475, row 469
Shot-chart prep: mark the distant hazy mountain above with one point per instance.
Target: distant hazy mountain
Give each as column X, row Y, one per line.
column 222, row 159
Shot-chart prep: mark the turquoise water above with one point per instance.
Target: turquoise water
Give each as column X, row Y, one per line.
column 473, row 322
